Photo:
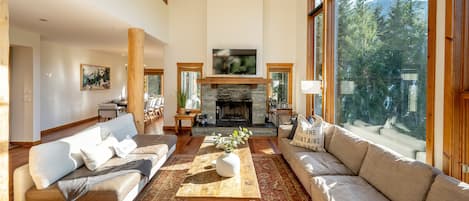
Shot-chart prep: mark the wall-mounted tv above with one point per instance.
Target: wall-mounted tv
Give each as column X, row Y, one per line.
column 234, row 61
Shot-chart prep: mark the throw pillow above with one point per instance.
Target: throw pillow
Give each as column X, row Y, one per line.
column 293, row 129
column 97, row 155
column 110, row 142
column 125, row 147
column 308, row 135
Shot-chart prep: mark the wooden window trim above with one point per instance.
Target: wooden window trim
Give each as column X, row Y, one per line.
column 190, row 67
column 431, row 68
column 313, row 12
column 328, row 8
column 455, row 134
column 281, row 67
column 156, row 71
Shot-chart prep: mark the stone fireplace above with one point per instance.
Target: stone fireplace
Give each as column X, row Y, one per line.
column 234, row 104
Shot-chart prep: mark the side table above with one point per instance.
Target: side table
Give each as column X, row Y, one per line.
column 180, row 117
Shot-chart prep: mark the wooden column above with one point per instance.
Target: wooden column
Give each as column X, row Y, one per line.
column 4, row 99
column 135, row 75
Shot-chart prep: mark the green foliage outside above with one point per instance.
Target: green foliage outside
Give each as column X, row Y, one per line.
column 154, row 86
column 281, row 90
column 377, row 43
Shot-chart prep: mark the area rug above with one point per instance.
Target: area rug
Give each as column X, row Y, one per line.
column 276, row 179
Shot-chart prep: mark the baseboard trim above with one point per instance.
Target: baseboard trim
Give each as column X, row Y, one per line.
column 69, row 125
column 26, row 144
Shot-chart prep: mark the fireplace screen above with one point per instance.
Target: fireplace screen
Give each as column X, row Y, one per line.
column 234, row 113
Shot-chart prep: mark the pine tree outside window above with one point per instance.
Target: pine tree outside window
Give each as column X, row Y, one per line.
column 381, row 72
column 188, row 74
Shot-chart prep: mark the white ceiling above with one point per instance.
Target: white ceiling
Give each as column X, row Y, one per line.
column 78, row 23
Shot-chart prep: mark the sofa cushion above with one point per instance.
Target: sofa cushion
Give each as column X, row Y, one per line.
column 124, row 147
column 321, row 163
column 112, row 189
column 397, row 177
column 309, row 135
column 446, row 188
column 154, row 144
column 121, row 127
column 332, row 188
column 87, row 137
column 348, row 148
column 289, row 153
column 49, row 162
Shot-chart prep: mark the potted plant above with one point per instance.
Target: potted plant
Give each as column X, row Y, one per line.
column 228, row 164
column 182, row 98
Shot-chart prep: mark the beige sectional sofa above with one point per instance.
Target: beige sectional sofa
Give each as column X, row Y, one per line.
column 61, row 159
column 354, row 169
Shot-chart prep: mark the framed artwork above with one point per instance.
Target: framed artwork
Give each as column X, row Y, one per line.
column 94, row 77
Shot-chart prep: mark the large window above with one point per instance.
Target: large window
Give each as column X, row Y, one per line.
column 188, row 74
column 381, row 72
column 318, row 56
column 153, row 82
column 280, row 87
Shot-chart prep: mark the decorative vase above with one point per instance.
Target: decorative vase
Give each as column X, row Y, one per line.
column 182, row 110
column 228, row 165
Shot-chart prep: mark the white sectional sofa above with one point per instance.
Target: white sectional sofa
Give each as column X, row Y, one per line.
column 354, row 169
column 61, row 159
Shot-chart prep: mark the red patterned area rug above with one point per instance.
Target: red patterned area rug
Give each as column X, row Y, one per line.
column 276, row 179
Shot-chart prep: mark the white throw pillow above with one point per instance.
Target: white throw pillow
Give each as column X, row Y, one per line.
column 309, row 135
column 125, row 147
column 95, row 156
column 110, row 142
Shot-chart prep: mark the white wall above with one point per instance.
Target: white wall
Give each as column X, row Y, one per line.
column 439, row 83
column 150, row 15
column 62, row 101
column 187, row 43
column 31, row 88
column 21, row 76
column 301, row 51
column 270, row 26
column 279, row 31
column 235, row 24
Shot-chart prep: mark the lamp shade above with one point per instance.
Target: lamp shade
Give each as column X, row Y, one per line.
column 311, row 86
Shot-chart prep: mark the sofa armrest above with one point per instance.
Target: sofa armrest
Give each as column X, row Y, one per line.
column 284, row 131
column 22, row 182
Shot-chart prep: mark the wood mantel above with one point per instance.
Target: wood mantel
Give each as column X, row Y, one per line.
column 233, row 80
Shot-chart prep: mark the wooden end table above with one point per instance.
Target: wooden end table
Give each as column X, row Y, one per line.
column 203, row 183
column 180, row 117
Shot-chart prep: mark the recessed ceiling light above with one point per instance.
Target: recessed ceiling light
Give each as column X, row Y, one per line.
column 43, row 20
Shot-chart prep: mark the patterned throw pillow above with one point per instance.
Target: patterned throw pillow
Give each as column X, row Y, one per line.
column 309, row 135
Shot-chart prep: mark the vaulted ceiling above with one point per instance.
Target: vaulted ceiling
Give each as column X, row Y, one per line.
column 77, row 23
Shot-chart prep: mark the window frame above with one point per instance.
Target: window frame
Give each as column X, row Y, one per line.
column 189, row 67
column 281, row 68
column 313, row 12
column 156, row 71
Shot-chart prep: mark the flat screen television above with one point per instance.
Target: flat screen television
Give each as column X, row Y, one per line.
column 234, row 61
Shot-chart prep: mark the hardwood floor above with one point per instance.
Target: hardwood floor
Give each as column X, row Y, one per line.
column 186, row 144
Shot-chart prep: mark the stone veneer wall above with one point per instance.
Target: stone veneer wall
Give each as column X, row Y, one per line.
column 258, row 96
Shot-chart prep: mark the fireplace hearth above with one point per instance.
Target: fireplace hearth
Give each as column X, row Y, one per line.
column 234, row 112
